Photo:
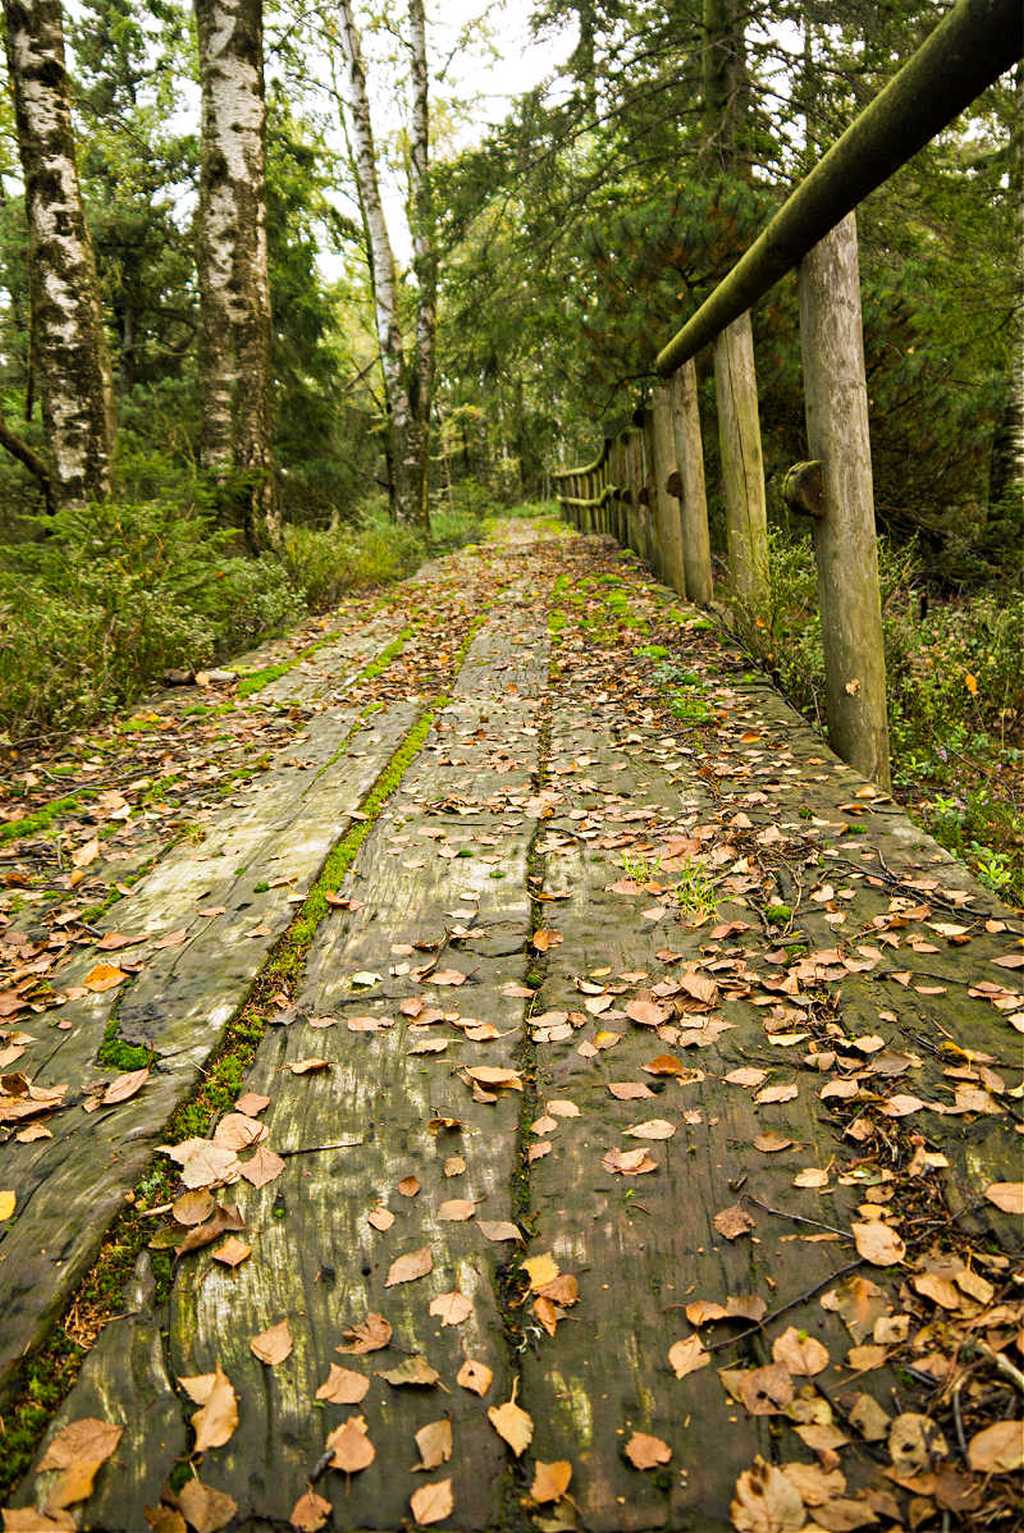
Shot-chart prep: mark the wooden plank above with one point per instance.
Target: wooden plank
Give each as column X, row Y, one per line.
column 693, row 497
column 178, row 1005
column 667, row 513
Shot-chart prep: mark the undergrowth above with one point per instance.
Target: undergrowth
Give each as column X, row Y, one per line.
column 955, row 695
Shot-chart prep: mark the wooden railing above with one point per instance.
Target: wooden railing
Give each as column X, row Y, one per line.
column 646, row 486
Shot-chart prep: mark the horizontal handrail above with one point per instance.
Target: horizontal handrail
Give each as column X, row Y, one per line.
column 968, row 50
column 586, row 468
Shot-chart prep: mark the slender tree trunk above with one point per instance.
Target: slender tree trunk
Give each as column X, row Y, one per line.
column 724, row 71
column 402, row 452
column 424, row 259
column 234, row 288
column 69, row 345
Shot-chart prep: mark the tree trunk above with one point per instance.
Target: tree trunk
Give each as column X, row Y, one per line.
column 403, row 455
column 69, row 346
column 234, row 289
column 424, row 260
column 725, row 79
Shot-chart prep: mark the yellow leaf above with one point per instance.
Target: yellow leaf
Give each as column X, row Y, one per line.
column 7, row 1201
column 971, row 683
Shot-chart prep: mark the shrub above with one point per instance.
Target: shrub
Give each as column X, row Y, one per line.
column 326, row 564
column 110, row 597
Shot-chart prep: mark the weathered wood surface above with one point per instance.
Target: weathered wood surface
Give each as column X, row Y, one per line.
column 667, row 513
column 696, row 539
column 581, row 800
column 845, row 537
column 178, row 1003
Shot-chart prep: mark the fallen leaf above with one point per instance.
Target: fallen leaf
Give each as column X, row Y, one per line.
column 125, row 1086
column 878, row 1244
column 432, row 1503
column 343, row 1386
column 455, row 1210
column 765, row 1501
column 206, row 1510
column 629, row 1091
column 251, row 1103
column 651, row 1128
column 476, row 1377
column 370, row 1335
column 550, row 1481
column 511, row 1423
column 499, row 1229
column 8, row 1201
column 541, row 1270
column 414, row 1372
column 310, row 1513
column 205, row 1234
column 164, row 1519
column 407, row 1268
column 103, row 976
column 233, row 1252
column 262, row 1167
column 351, row 1447
column 435, row 1444
column 761, row 1391
column 1008, row 1197
column 915, row 1442
column 381, row 1218
column 193, row 1207
column 628, row 1162
column 998, row 1449
column 215, row 1421
column 274, row 1345
column 646, row 1452
column 448, row 977
column 309, row 1066
column 687, row 1356
column 78, row 1451
column 409, row 1186
column 801, row 1354
column 733, row 1222
column 451, row 1308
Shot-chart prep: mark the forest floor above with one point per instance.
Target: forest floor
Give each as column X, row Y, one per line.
column 502, row 1072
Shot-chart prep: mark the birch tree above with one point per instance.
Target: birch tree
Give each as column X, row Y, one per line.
column 408, row 382
column 234, row 290
column 69, row 346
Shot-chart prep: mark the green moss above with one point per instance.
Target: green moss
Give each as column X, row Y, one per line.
column 119, row 1055
column 778, row 915
column 42, row 819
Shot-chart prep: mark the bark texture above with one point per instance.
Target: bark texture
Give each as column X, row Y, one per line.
column 403, row 459
column 693, row 495
column 70, row 351
column 234, row 349
column 424, row 258
column 739, row 433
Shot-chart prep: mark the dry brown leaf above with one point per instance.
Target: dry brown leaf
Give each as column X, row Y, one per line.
column 687, row 1356
column 381, row 1218
column 878, row 1244
column 511, row 1423
column 651, row 1128
column 629, row 1091
column 499, row 1229
column 233, row 1252
column 309, row 1066
column 409, row 1186
column 765, row 1501
column 546, row 938
column 746, row 1076
column 476, row 1377
column 351, row 1447
column 435, row 1444
column 802, row 1354
column 816, row 1485
column 859, row 1301
column 448, row 977
column 25, row 1519
column 628, row 1162
column 125, row 1086
column 370, row 1335
column 235, row 1131
column 251, row 1103
column 998, row 1449
column 646, row 1452
column 193, row 1207
column 732, row 1222
column 493, row 1075
column 761, row 1391
column 432, row 1503
column 78, row 1450
column 915, row 1442
column 550, row 1481
column 453, row 1210
column 263, row 1167
column 164, row 1519
column 451, row 1308
column 206, row 1510
column 273, row 1345
column 343, row 1386
column 1008, row 1197
column 310, row 1513
column 412, row 1371
column 541, row 1270
column 103, row 976
column 201, row 1235
column 771, row 1143
column 215, row 1421
column 407, row 1268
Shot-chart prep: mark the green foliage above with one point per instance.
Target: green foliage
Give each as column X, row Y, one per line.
column 324, row 565
column 955, row 696
column 110, row 597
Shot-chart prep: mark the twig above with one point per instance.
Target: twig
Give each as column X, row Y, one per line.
column 958, row 1420
column 314, row 1149
column 1002, row 1363
column 797, row 1218
column 151, row 1213
column 783, row 1309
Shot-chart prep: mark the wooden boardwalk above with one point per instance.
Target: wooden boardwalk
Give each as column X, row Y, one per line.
column 625, row 1122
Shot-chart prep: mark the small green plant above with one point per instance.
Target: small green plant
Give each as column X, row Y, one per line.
column 778, row 915
column 694, row 893
column 640, row 869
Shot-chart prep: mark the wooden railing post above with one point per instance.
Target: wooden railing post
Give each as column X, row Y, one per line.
column 665, row 506
column 739, row 431
column 845, row 546
column 653, row 552
column 632, row 479
column 689, row 458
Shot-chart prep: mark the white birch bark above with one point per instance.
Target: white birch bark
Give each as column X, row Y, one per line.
column 424, row 253
column 70, row 350
column 235, row 333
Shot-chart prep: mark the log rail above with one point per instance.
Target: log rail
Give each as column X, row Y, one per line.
column 646, row 485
